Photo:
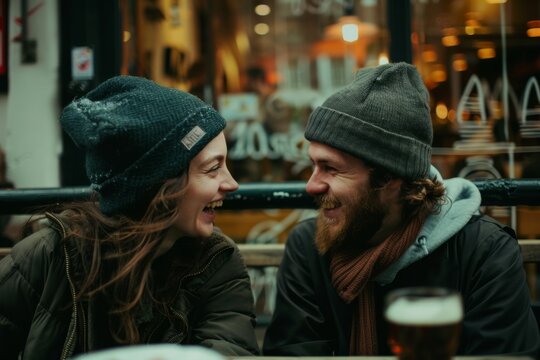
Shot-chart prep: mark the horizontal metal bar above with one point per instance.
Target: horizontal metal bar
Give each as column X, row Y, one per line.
column 262, row 195
column 27, row 201
column 282, row 195
column 509, row 192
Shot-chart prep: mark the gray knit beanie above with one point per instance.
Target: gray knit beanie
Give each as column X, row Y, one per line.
column 136, row 135
column 382, row 117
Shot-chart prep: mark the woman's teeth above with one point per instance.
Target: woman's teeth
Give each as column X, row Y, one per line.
column 214, row 204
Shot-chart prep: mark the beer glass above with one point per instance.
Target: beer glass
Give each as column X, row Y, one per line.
column 424, row 323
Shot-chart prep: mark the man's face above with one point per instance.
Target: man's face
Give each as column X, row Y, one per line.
column 351, row 211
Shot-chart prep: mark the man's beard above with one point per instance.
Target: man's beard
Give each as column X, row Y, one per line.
column 359, row 222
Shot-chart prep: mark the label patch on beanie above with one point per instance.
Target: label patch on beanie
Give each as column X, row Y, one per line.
column 193, row 137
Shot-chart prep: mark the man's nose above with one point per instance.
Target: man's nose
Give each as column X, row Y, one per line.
column 316, row 185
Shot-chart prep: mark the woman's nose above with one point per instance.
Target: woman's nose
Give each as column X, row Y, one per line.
column 229, row 184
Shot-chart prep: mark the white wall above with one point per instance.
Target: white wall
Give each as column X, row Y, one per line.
column 29, row 125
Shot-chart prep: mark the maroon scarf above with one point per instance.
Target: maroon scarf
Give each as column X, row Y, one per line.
column 351, row 277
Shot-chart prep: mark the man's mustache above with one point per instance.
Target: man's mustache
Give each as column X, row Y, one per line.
column 326, row 201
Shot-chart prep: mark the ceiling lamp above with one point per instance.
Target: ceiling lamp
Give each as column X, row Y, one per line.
column 349, row 32
column 349, row 28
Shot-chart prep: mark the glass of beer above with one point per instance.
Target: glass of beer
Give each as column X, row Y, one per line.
column 424, row 323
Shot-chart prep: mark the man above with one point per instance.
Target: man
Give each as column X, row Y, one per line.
column 387, row 220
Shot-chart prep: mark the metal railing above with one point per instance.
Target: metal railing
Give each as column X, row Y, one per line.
column 263, row 259
column 283, row 195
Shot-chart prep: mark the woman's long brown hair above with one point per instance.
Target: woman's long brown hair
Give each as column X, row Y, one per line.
column 118, row 253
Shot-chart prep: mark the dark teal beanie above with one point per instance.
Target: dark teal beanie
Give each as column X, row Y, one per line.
column 382, row 117
column 136, row 135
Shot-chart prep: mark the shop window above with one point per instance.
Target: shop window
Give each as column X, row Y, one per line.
column 481, row 62
column 291, row 55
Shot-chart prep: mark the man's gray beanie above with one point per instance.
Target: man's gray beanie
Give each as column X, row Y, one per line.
column 382, row 117
column 136, row 135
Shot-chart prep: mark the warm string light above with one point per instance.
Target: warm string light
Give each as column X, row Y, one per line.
column 262, row 10
column 383, row 59
column 450, row 37
column 534, row 28
column 262, row 28
column 459, row 62
column 441, row 111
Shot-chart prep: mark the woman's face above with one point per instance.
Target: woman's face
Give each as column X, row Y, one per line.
column 209, row 181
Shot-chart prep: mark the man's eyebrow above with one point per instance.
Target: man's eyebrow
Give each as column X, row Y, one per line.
column 323, row 161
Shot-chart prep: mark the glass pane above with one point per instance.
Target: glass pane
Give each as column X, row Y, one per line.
column 481, row 60
column 265, row 64
column 292, row 54
column 285, row 58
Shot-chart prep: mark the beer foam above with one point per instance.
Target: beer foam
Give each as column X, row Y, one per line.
column 429, row 311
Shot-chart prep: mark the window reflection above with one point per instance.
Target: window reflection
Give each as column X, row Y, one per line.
column 265, row 64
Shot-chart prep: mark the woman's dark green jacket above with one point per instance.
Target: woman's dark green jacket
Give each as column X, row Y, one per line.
column 40, row 319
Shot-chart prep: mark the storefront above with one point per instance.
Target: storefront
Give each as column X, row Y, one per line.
column 266, row 64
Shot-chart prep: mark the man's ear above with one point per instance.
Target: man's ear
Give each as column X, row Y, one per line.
column 393, row 187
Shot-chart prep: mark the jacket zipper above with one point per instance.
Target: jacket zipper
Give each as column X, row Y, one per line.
column 66, row 352
column 67, row 349
column 184, row 321
column 203, row 269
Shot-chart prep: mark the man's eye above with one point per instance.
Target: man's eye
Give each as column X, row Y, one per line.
column 329, row 168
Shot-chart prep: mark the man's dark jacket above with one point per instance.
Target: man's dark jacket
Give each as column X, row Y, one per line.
column 482, row 261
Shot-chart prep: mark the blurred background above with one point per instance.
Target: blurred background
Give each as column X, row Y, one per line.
column 265, row 65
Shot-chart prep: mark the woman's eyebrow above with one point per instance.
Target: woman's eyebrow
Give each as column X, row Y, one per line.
column 211, row 159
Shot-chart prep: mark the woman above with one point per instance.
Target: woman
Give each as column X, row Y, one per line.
column 144, row 264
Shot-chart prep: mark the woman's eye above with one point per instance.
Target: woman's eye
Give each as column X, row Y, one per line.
column 214, row 168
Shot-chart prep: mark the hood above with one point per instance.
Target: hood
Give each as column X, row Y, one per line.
column 462, row 202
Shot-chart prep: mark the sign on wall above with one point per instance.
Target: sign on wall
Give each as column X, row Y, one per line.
column 82, row 63
column 239, row 107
